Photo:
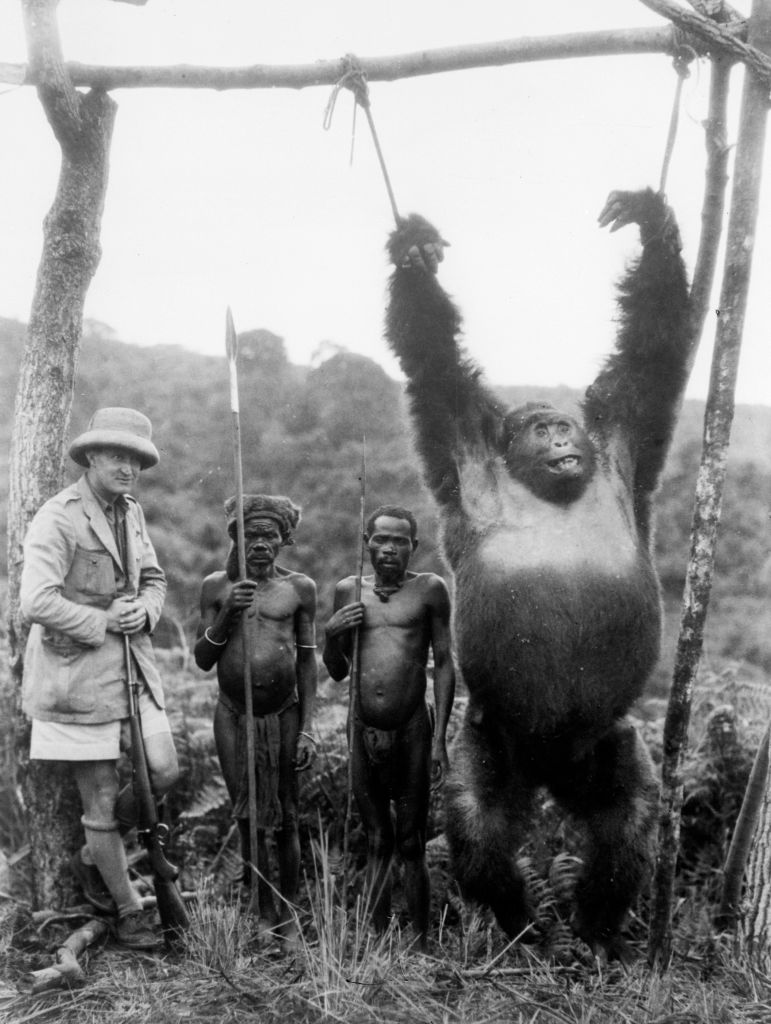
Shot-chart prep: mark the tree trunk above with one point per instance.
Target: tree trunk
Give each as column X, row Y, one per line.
column 83, row 126
column 709, row 486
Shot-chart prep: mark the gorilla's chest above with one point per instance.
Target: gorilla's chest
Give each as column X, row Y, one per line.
column 595, row 535
column 558, row 602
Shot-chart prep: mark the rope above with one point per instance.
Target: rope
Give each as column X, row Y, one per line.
column 354, row 79
column 684, row 55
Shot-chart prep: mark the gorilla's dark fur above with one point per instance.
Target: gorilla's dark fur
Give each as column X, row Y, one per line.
column 546, row 525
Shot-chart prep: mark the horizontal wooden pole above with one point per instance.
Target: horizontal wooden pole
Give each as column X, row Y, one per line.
column 377, row 69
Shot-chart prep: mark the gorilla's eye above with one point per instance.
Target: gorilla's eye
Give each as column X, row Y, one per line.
column 541, row 430
column 563, row 428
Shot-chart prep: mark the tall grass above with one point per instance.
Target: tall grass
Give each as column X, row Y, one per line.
column 219, row 934
column 347, row 963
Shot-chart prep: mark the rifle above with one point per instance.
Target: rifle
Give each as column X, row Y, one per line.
column 153, row 832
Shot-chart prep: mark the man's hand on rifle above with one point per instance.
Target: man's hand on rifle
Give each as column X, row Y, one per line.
column 126, row 615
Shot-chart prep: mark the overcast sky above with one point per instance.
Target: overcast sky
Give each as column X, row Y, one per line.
column 243, row 199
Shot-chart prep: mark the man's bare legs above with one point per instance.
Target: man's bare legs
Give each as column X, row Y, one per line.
column 404, row 778
column 287, row 836
column 373, row 798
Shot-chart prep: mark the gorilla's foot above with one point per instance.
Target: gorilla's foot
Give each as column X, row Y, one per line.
column 289, row 934
column 605, row 945
column 517, row 922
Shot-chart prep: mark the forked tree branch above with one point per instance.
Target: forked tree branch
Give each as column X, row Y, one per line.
column 717, row 38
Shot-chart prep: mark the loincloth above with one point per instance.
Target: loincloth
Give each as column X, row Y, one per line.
column 380, row 744
column 267, row 754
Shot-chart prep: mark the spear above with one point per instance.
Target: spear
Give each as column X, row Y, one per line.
column 231, row 347
column 355, row 673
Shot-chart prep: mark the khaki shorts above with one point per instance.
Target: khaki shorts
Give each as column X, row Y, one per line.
column 103, row 741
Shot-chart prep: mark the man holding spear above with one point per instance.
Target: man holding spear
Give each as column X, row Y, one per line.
column 400, row 617
column 271, row 614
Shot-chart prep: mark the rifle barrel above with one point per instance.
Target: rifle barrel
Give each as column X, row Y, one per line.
column 171, row 908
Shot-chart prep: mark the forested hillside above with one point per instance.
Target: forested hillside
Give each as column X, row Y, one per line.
column 302, row 430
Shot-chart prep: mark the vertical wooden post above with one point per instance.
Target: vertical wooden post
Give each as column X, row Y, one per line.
column 83, row 127
column 709, row 487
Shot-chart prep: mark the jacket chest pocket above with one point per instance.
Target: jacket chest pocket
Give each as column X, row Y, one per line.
column 91, row 577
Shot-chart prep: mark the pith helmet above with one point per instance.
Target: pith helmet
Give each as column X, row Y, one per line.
column 119, row 428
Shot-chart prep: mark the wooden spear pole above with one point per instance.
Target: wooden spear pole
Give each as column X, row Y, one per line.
column 355, row 673
column 709, row 487
column 741, row 840
column 231, row 347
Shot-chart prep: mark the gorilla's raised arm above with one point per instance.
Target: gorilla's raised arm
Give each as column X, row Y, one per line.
column 638, row 392
column 454, row 413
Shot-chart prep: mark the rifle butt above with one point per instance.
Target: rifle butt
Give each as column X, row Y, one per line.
column 162, row 868
column 171, row 910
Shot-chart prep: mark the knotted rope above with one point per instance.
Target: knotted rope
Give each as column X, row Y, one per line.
column 353, row 78
column 683, row 57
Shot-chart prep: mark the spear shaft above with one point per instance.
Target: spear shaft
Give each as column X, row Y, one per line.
column 355, row 673
column 231, row 346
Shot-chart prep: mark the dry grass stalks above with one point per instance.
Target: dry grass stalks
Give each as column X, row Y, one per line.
column 343, row 972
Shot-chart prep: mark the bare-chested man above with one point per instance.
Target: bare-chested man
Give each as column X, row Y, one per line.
column 278, row 608
column 402, row 615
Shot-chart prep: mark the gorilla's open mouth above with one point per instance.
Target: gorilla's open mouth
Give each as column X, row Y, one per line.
column 564, row 464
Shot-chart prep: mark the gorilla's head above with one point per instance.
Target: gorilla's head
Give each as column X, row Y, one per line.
column 548, row 451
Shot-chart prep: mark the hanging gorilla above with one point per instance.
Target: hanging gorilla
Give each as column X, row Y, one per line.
column 546, row 524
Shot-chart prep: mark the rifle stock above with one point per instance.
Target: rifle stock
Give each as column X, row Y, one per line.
column 153, row 833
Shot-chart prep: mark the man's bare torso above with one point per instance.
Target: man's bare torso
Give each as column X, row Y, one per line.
column 394, row 644
column 271, row 624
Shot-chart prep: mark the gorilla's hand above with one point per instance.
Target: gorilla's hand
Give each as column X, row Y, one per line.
column 416, row 243
column 647, row 208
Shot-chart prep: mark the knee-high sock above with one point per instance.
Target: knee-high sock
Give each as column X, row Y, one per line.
column 125, row 814
column 109, row 855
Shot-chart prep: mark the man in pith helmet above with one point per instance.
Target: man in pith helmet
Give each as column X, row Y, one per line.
column 91, row 576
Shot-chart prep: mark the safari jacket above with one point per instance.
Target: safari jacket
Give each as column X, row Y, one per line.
column 73, row 668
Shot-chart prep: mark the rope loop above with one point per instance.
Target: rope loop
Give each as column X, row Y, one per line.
column 353, row 78
column 683, row 58
column 681, row 61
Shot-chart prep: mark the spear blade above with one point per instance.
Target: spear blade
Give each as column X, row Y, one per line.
column 231, row 349
column 231, row 341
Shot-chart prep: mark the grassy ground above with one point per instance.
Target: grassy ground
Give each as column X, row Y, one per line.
column 341, row 972
column 226, row 972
